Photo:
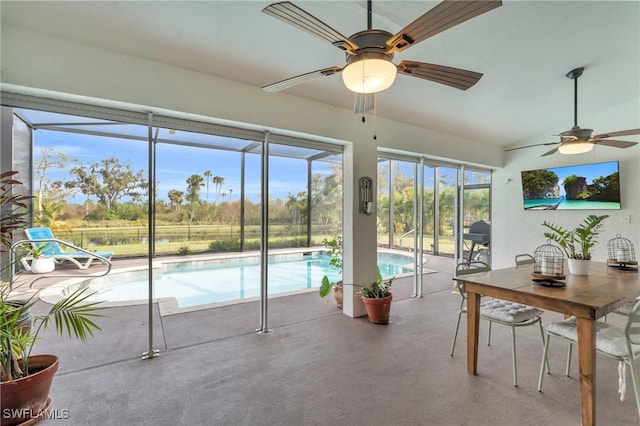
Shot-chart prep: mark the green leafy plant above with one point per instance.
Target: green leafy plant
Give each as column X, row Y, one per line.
column 37, row 251
column 13, row 209
column 72, row 315
column 377, row 290
column 335, row 260
column 577, row 242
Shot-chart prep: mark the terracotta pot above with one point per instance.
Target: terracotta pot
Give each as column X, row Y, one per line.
column 337, row 294
column 24, row 400
column 378, row 309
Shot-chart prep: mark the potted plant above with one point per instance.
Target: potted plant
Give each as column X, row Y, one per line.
column 40, row 262
column 377, row 299
column 25, row 379
column 336, row 261
column 577, row 242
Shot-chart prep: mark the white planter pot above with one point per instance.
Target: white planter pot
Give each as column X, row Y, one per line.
column 42, row 265
column 578, row 267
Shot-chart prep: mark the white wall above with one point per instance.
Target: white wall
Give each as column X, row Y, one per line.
column 518, row 231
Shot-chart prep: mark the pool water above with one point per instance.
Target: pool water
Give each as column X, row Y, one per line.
column 198, row 284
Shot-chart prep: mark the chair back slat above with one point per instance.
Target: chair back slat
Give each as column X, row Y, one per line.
column 471, row 267
column 466, row 268
column 51, row 247
column 632, row 330
column 524, row 259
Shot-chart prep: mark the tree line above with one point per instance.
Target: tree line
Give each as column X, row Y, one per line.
column 116, row 192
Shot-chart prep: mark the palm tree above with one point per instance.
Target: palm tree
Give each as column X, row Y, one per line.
column 194, row 183
column 207, row 174
column 175, row 197
column 218, row 181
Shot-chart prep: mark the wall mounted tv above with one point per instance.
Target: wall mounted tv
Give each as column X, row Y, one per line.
column 593, row 186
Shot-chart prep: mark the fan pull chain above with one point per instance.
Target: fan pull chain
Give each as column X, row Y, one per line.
column 375, row 122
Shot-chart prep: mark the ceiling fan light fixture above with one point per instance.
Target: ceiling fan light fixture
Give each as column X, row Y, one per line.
column 369, row 73
column 579, row 147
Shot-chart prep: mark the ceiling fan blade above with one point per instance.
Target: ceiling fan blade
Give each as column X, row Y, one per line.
column 290, row 82
column 614, row 143
column 454, row 77
column 620, row 133
column 364, row 102
column 445, row 15
column 293, row 15
column 531, row 146
column 553, row 151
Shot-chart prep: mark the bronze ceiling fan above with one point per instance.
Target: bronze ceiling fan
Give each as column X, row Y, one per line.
column 578, row 140
column 369, row 53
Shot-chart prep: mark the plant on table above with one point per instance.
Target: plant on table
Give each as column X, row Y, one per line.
column 577, row 242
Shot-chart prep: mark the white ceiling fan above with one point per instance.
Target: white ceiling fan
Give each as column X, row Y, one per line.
column 578, row 140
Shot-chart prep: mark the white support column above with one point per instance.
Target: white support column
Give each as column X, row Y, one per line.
column 359, row 230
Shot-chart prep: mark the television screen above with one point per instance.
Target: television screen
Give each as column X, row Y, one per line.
column 593, row 186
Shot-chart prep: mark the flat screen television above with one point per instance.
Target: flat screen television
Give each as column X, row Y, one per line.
column 594, row 186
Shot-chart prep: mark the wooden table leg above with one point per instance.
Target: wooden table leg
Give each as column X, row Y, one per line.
column 587, row 364
column 473, row 327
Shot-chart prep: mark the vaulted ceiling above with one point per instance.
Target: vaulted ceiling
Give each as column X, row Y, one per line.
column 523, row 49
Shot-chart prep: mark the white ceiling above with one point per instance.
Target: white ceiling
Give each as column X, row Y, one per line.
column 523, row 48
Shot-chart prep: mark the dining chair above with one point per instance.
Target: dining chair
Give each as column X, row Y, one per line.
column 497, row 311
column 621, row 344
column 524, row 259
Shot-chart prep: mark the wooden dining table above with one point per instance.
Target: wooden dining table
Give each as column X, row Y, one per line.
column 587, row 297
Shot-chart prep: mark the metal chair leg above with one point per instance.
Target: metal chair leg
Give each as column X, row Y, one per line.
column 455, row 336
column 545, row 351
column 568, row 367
column 513, row 356
column 634, row 379
column 489, row 335
column 546, row 361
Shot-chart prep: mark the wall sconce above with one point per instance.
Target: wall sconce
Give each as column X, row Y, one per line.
column 366, row 195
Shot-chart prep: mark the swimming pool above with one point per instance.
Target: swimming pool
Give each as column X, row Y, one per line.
column 204, row 282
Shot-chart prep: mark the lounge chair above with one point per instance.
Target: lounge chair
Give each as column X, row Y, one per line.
column 81, row 258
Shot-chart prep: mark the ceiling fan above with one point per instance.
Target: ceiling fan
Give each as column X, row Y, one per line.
column 578, row 140
column 369, row 53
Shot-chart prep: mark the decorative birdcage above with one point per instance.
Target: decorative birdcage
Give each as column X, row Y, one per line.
column 548, row 265
column 621, row 253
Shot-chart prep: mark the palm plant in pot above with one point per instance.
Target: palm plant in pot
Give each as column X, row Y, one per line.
column 40, row 262
column 578, row 242
column 25, row 379
column 377, row 299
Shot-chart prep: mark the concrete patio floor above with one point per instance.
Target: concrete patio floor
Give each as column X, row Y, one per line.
column 316, row 367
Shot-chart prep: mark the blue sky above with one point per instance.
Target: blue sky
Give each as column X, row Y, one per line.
column 176, row 163
column 588, row 171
